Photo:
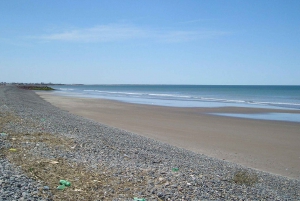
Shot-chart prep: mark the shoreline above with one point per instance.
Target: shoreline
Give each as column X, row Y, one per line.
column 41, row 144
column 259, row 144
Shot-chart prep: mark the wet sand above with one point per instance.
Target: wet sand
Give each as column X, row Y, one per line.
column 272, row 146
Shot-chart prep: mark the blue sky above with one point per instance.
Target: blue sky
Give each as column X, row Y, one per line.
column 150, row 42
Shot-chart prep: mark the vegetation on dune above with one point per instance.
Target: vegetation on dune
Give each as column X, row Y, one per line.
column 33, row 87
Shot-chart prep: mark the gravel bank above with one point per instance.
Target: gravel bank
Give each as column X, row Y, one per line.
column 122, row 157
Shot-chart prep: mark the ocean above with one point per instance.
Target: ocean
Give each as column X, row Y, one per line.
column 284, row 97
column 270, row 97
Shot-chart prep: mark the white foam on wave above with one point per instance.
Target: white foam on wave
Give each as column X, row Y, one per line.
column 273, row 103
column 89, row 90
column 116, row 92
column 169, row 95
column 66, row 89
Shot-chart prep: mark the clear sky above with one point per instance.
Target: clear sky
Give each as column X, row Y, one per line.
column 150, row 41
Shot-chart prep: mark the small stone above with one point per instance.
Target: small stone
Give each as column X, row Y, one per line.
column 46, row 188
column 160, row 195
column 24, row 194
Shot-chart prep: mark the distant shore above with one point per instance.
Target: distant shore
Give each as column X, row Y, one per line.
column 271, row 146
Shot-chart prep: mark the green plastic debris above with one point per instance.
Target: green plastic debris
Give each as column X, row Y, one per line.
column 64, row 182
column 61, row 187
column 139, row 199
column 175, row 169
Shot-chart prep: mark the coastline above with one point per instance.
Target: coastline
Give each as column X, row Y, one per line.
column 41, row 144
column 271, row 146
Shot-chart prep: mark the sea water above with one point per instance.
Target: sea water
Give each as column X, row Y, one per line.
column 287, row 97
column 272, row 97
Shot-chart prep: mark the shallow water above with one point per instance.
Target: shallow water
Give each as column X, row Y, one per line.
column 265, row 116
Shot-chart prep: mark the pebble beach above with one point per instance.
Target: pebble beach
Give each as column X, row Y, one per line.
column 42, row 144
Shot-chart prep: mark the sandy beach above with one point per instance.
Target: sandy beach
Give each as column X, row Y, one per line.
column 271, row 146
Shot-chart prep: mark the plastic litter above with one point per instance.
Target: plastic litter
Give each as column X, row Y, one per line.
column 61, row 187
column 139, row 199
column 12, row 149
column 64, row 182
column 175, row 169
